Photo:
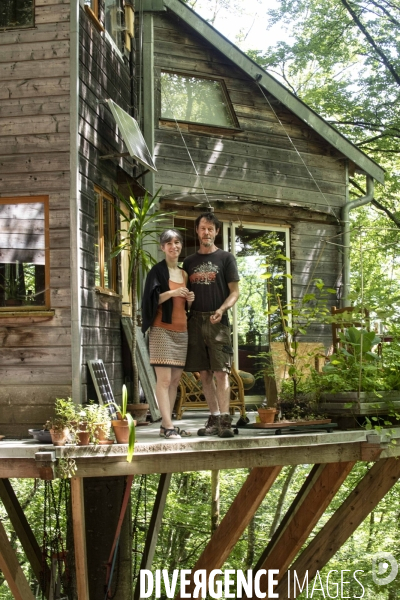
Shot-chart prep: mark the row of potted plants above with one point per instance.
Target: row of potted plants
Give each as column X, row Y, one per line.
column 91, row 423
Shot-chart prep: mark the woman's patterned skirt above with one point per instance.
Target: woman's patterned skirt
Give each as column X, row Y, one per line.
column 167, row 348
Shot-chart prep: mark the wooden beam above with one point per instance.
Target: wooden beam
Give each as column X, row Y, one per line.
column 309, row 505
column 24, row 533
column 154, row 526
column 236, row 520
column 199, row 459
column 359, row 504
column 13, row 573
column 78, row 525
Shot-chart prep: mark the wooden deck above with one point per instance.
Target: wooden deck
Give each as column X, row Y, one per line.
column 251, row 448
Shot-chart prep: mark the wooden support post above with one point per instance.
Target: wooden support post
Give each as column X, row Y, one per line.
column 154, row 526
column 236, row 520
column 24, row 533
column 214, row 500
column 13, row 573
column 362, row 500
column 78, row 525
column 309, row 505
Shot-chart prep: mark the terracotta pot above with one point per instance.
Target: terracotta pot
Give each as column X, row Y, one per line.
column 59, row 437
column 83, row 438
column 267, row 415
column 138, row 411
column 121, row 430
column 100, row 433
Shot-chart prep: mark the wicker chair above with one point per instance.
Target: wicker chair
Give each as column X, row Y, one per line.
column 190, row 394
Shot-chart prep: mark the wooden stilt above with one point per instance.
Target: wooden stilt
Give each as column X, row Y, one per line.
column 362, row 500
column 78, row 524
column 236, row 520
column 154, row 526
column 312, row 500
column 13, row 573
column 25, row 534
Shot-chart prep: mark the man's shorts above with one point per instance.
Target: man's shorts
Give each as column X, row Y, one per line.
column 210, row 346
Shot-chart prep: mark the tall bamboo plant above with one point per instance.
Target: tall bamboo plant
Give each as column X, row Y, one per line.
column 140, row 225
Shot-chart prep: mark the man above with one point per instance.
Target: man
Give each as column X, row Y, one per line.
column 213, row 277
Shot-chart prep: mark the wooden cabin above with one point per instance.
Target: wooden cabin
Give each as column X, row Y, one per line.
column 223, row 133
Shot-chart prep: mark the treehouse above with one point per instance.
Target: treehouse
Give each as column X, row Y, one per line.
column 220, row 132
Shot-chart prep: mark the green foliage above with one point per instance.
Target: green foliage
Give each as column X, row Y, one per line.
column 126, row 416
column 141, row 222
column 357, row 367
column 65, row 412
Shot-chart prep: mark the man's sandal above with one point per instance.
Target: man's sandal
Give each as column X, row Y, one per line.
column 171, row 433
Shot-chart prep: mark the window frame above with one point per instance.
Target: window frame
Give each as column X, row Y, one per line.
column 196, row 124
column 31, row 26
column 32, row 200
column 104, row 196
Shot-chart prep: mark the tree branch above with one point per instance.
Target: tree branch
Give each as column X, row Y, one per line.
column 378, row 205
column 370, row 39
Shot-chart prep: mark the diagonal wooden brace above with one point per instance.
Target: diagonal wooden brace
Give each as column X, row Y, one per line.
column 359, row 504
column 310, row 503
column 236, row 520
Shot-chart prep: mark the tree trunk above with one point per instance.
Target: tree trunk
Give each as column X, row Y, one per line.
column 103, row 499
column 136, row 397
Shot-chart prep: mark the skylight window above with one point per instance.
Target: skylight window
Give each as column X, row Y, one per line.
column 196, row 100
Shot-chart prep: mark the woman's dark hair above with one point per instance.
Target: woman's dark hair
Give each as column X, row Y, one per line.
column 210, row 217
column 168, row 235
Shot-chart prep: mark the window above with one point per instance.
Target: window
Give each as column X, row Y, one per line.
column 196, row 100
column 16, row 14
column 24, row 253
column 115, row 21
column 105, row 265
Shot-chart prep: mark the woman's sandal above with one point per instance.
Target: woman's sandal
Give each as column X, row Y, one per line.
column 171, row 433
column 184, row 433
column 164, row 429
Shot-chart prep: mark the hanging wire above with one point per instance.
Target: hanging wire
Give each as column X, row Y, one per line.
column 332, row 212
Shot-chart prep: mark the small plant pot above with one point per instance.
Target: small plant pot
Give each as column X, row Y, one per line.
column 138, row 411
column 101, row 433
column 59, row 437
column 83, row 438
column 121, row 431
column 267, row 415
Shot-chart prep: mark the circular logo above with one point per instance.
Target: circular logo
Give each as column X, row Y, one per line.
column 384, row 568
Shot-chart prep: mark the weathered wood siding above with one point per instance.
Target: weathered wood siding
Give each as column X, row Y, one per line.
column 35, row 354
column 103, row 74
column 259, row 163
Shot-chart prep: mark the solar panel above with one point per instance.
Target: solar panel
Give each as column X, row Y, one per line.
column 132, row 135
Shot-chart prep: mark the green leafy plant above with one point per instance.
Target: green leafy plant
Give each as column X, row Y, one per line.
column 65, row 414
column 124, row 415
column 355, row 366
column 98, row 419
column 140, row 225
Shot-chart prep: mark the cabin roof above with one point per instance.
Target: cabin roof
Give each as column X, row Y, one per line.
column 270, row 84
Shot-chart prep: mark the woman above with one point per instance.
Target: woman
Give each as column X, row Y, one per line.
column 164, row 311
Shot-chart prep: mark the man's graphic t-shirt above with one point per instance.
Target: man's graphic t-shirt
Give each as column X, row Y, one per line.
column 209, row 275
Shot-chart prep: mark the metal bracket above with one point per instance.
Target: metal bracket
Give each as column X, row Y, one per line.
column 46, row 462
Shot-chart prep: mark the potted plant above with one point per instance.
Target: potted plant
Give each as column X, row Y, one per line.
column 138, row 411
column 359, row 381
column 60, row 425
column 140, row 222
column 124, row 426
column 99, row 423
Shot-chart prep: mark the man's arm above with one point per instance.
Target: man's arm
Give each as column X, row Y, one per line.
column 229, row 302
